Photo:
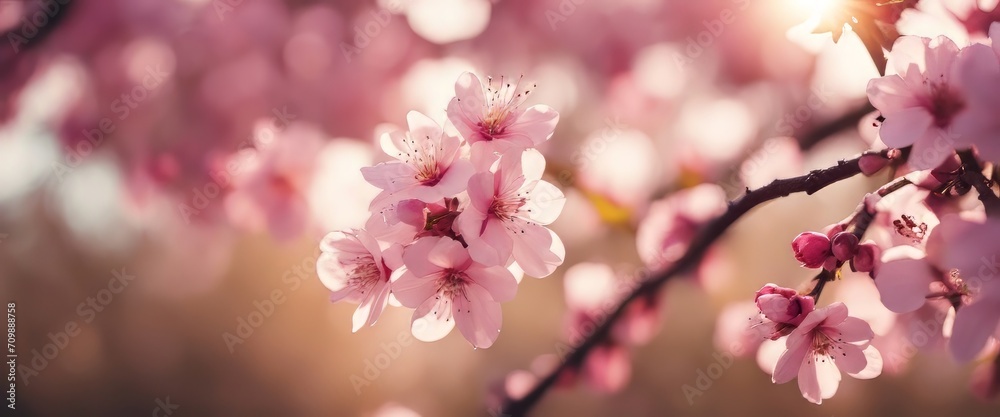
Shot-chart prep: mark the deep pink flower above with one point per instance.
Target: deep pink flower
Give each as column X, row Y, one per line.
column 783, row 305
column 980, row 84
column 507, row 214
column 921, row 100
column 491, row 119
column 826, row 343
column 428, row 166
column 352, row 266
column 812, row 249
column 443, row 283
column 960, row 261
column 867, row 258
column 844, row 246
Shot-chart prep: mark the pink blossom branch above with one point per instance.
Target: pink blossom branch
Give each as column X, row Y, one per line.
column 972, row 174
column 809, row 184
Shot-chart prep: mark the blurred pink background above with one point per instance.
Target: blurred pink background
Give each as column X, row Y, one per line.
column 118, row 119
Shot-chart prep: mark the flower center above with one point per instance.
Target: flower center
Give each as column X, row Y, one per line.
column 452, row 283
column 944, row 103
column 365, row 274
column 502, row 100
column 505, row 208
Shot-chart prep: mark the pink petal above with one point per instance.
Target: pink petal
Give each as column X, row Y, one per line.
column 545, row 203
column 455, row 179
column 537, row 250
column 372, row 306
column 890, row 94
column 931, row 149
column 432, row 320
column 797, row 347
column 974, row 324
column 411, row 290
column 536, row 123
column 494, row 246
column 478, row 316
column 390, row 176
column 903, row 284
column 851, row 330
column 873, row 364
column 332, row 275
column 904, row 127
column 532, row 165
column 448, row 254
column 481, row 191
column 497, row 280
column 849, row 358
column 422, row 128
column 416, row 257
column 818, row 379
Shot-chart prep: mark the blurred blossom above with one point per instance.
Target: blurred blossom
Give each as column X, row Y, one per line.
column 445, row 21
column 673, row 222
column 621, row 165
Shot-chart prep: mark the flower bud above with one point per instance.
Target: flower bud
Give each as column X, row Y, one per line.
column 812, row 249
column 872, row 164
column 783, row 305
column 866, row 258
column 845, row 246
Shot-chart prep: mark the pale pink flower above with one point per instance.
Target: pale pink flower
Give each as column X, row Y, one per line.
column 353, row 267
column 592, row 292
column 960, row 264
column 921, row 100
column 447, row 288
column 826, row 343
column 270, row 185
column 428, row 168
column 491, row 119
column 672, row 223
column 979, row 126
column 507, row 214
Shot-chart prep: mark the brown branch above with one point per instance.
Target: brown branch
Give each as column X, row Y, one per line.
column 972, row 174
column 712, row 231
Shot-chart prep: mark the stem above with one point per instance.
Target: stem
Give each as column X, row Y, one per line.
column 972, row 174
column 712, row 231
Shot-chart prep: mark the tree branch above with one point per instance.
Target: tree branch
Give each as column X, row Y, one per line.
column 809, row 184
column 972, row 174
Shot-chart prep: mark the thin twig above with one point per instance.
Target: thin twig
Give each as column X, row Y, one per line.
column 972, row 174
column 809, row 184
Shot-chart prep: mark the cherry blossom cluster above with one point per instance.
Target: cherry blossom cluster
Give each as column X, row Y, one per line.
column 932, row 248
column 460, row 217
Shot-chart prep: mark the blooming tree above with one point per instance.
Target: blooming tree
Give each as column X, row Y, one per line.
column 463, row 213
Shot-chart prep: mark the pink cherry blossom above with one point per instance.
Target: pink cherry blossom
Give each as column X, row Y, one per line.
column 826, row 343
column 491, row 119
column 783, row 305
column 921, row 100
column 980, row 84
column 959, row 265
column 443, row 283
column 428, row 164
column 352, row 266
column 507, row 213
column 271, row 184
